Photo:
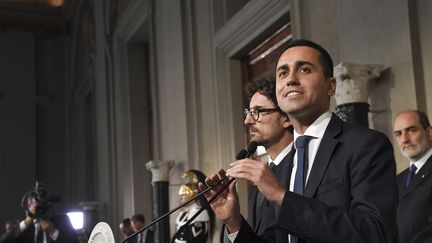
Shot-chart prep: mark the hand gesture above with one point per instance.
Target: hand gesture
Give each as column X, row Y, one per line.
column 226, row 206
column 260, row 175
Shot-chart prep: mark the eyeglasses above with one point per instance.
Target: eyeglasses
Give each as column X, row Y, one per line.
column 254, row 113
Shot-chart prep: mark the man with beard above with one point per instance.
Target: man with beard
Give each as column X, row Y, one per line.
column 413, row 134
column 270, row 128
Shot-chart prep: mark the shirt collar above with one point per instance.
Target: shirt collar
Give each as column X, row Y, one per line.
column 317, row 128
column 281, row 155
column 420, row 162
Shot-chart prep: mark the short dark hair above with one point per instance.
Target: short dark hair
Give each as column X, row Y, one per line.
column 325, row 58
column 265, row 85
column 126, row 221
column 138, row 217
column 423, row 119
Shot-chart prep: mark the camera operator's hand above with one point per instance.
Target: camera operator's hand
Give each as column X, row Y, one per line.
column 47, row 226
column 30, row 213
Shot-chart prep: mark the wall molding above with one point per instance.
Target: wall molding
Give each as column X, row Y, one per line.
column 238, row 32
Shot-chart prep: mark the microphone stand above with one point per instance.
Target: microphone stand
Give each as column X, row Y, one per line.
column 178, row 207
column 241, row 155
column 183, row 227
column 251, row 149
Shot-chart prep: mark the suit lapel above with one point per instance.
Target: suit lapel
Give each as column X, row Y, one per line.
column 323, row 156
column 251, row 206
column 419, row 178
column 401, row 184
column 284, row 169
column 259, row 212
column 283, row 173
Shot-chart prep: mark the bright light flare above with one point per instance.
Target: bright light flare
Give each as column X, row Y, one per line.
column 77, row 219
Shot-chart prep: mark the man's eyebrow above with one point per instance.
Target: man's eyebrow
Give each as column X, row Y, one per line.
column 410, row 127
column 296, row 64
column 256, row 107
column 301, row 63
column 404, row 129
column 282, row 67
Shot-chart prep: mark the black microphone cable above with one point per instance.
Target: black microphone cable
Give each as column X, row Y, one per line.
column 241, row 155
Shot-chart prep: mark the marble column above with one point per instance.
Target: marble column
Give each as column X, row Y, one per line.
column 160, row 182
column 352, row 91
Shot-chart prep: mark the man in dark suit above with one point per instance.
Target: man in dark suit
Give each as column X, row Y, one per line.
column 147, row 236
column 126, row 227
column 413, row 134
column 270, row 128
column 342, row 183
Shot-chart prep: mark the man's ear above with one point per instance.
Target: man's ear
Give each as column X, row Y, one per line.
column 332, row 86
column 286, row 122
column 429, row 133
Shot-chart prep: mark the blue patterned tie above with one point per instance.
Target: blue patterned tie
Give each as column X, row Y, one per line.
column 410, row 176
column 302, row 144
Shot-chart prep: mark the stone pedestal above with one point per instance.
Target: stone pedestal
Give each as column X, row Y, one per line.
column 160, row 181
column 352, row 91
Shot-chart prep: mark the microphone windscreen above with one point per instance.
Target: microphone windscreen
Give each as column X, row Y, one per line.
column 252, row 147
column 242, row 154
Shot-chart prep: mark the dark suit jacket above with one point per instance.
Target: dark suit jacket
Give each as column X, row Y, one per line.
column 253, row 219
column 415, row 205
column 256, row 220
column 149, row 236
column 148, row 239
column 350, row 195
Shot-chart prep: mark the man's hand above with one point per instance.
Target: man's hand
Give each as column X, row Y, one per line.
column 226, row 206
column 259, row 174
column 47, row 225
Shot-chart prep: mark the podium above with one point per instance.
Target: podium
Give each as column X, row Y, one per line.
column 101, row 233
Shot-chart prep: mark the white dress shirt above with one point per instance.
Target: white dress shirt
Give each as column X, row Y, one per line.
column 316, row 131
column 420, row 162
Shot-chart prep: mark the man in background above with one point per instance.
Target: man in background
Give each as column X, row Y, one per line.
column 126, row 227
column 413, row 134
column 269, row 127
column 11, row 224
column 147, row 236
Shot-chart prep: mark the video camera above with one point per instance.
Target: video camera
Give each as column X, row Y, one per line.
column 39, row 196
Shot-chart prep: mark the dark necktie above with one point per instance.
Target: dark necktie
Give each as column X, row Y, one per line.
column 410, row 175
column 302, row 144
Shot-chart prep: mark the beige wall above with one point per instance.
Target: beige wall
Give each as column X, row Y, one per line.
column 424, row 37
column 371, row 32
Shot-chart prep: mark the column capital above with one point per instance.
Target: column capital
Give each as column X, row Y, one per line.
column 352, row 81
column 160, row 169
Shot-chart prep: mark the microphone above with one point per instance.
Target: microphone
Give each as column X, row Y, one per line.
column 251, row 149
column 241, row 155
